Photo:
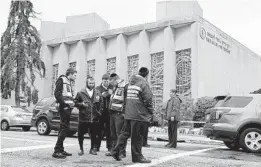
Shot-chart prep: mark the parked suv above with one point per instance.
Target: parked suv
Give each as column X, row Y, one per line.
column 46, row 117
column 236, row 120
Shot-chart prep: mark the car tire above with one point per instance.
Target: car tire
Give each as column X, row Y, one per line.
column 4, row 125
column 26, row 128
column 43, row 127
column 250, row 140
column 232, row 145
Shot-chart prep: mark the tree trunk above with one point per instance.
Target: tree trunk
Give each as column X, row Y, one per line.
column 17, row 85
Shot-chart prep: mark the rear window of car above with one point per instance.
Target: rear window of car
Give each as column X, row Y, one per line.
column 45, row 101
column 235, row 101
column 17, row 109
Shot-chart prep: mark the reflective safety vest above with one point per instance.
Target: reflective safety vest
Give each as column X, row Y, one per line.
column 67, row 90
column 117, row 98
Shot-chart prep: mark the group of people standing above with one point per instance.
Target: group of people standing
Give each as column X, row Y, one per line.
column 119, row 109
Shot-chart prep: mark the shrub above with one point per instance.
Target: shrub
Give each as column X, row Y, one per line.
column 35, row 96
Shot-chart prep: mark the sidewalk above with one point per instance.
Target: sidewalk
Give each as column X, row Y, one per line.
column 187, row 138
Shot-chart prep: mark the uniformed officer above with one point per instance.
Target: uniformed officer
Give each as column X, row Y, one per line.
column 138, row 113
column 64, row 97
column 173, row 114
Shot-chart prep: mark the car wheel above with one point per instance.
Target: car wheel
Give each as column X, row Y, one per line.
column 71, row 133
column 4, row 125
column 43, row 127
column 250, row 140
column 26, row 128
column 232, row 145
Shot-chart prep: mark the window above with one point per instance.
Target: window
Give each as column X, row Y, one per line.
column 133, row 66
column 55, row 76
column 111, row 65
column 45, row 102
column 236, row 101
column 17, row 109
column 156, row 78
column 183, row 72
column 90, row 68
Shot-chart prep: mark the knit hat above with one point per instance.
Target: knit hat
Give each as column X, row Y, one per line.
column 143, row 71
column 113, row 75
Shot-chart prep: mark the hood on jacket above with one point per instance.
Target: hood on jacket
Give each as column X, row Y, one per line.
column 135, row 78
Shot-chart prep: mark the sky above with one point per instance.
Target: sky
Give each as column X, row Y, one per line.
column 241, row 19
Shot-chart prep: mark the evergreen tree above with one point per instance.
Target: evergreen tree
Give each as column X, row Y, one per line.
column 20, row 48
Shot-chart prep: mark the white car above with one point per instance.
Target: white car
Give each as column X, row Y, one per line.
column 12, row 116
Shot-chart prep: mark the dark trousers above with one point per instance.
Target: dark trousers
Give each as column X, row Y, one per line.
column 145, row 131
column 85, row 127
column 131, row 129
column 104, row 131
column 116, row 124
column 172, row 132
column 64, row 128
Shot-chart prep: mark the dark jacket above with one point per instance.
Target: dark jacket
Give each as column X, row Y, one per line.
column 173, row 108
column 106, row 99
column 58, row 92
column 95, row 103
column 139, row 100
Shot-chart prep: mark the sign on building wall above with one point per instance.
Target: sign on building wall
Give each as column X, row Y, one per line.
column 73, row 65
column 111, row 65
column 90, row 68
column 217, row 39
column 156, row 79
column 55, row 76
column 183, row 72
column 133, row 66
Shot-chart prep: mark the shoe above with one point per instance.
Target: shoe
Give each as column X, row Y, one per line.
column 146, row 145
column 66, row 153
column 108, row 154
column 59, row 155
column 121, row 156
column 93, row 152
column 81, row 152
column 167, row 145
column 143, row 160
column 116, row 157
column 171, row 146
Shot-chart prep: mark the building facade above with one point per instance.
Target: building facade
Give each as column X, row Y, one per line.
column 186, row 53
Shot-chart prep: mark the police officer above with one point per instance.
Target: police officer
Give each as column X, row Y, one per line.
column 117, row 112
column 106, row 90
column 64, row 97
column 173, row 114
column 138, row 113
column 89, row 102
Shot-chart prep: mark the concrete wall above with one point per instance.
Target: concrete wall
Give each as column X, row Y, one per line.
column 174, row 9
column 51, row 30
column 237, row 71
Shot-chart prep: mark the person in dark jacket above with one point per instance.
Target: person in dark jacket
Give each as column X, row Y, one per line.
column 173, row 115
column 64, row 97
column 138, row 113
column 89, row 102
column 106, row 90
column 117, row 112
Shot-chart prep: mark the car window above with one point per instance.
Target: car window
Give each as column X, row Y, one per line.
column 4, row 109
column 235, row 101
column 18, row 109
column 45, row 101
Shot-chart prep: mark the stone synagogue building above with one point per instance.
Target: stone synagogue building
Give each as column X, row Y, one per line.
column 181, row 49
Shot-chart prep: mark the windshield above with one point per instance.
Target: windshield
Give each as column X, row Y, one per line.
column 235, row 101
column 45, row 101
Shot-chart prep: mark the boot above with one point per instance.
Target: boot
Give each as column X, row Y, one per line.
column 81, row 152
column 93, row 152
column 59, row 155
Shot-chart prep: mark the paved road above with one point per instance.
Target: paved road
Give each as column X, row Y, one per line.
column 28, row 149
